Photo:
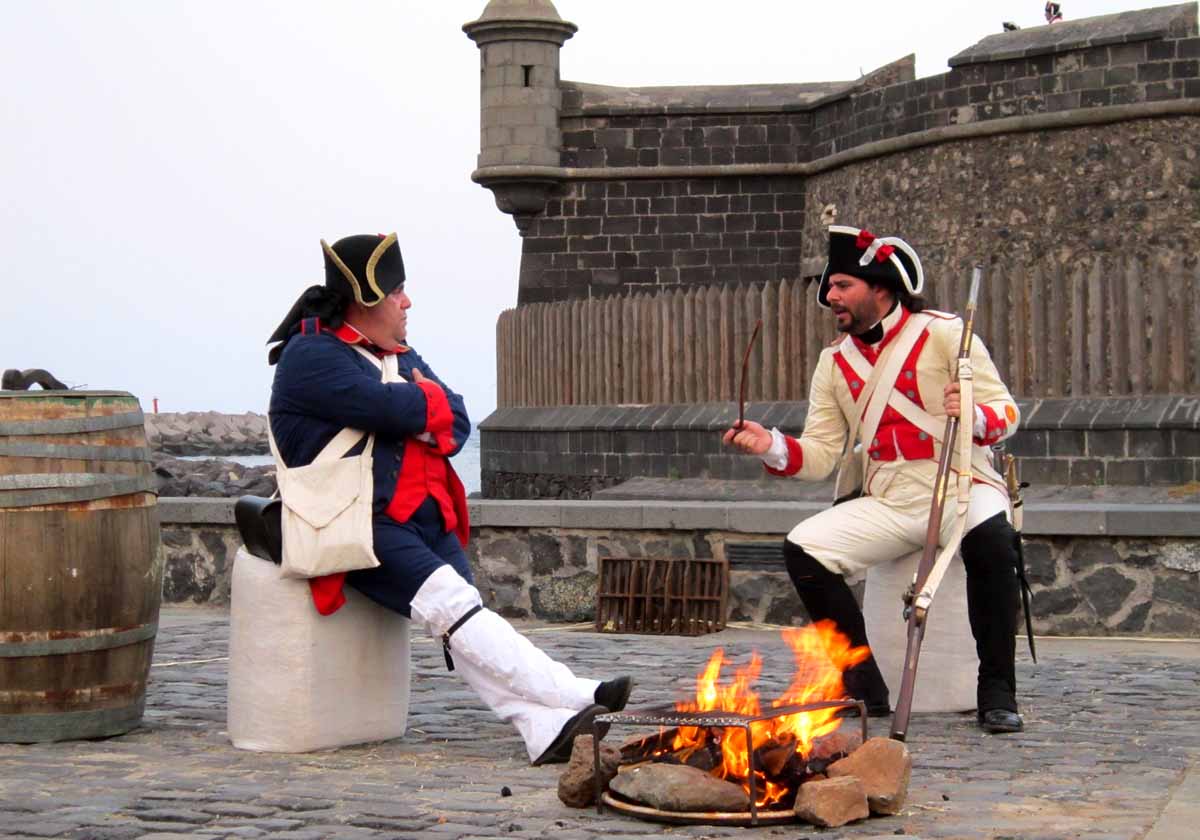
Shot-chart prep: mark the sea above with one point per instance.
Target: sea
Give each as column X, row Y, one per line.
column 466, row 462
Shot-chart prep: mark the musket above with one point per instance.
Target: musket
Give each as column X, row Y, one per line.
column 745, row 372
column 1015, row 487
column 916, row 613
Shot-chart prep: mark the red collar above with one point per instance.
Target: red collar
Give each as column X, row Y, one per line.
column 350, row 335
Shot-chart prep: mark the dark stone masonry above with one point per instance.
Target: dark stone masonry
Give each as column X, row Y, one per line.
column 1088, row 153
column 571, row 452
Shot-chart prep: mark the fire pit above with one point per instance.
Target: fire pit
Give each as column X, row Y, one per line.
column 730, row 759
column 713, row 720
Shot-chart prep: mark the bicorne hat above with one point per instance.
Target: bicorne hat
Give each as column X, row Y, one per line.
column 861, row 254
column 365, row 267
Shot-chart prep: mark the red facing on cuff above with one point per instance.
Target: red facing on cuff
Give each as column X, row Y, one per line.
column 795, row 458
column 327, row 593
column 995, row 429
column 439, row 420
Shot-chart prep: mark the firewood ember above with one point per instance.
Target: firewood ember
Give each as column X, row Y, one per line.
column 832, row 802
column 884, row 767
column 774, row 757
column 673, row 787
column 577, row 784
column 642, row 747
column 658, row 749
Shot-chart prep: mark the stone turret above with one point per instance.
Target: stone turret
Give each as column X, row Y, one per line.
column 520, row 141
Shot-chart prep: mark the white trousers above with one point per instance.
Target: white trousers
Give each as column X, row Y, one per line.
column 852, row 537
column 516, row 680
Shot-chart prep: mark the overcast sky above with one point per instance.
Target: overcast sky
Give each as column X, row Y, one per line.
column 167, row 167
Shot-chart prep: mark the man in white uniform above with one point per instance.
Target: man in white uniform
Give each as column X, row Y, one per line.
column 872, row 285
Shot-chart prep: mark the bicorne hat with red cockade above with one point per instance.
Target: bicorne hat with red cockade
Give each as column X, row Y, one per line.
column 862, row 254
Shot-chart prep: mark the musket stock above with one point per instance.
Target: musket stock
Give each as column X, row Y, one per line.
column 914, row 613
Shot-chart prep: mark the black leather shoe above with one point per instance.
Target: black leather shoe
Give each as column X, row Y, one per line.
column 582, row 723
column 614, row 694
column 1001, row 720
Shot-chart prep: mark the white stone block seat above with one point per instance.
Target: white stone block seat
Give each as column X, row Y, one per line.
column 948, row 665
column 300, row 681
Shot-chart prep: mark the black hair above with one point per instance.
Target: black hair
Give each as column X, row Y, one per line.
column 321, row 302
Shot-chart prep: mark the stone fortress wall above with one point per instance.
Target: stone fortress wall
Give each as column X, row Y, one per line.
column 1039, row 153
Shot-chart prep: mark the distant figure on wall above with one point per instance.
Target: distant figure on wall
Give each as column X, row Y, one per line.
column 1053, row 12
column 23, row 380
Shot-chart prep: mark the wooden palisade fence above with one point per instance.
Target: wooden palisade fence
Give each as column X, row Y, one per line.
column 1094, row 328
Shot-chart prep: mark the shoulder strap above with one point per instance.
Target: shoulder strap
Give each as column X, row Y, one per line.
column 886, row 369
column 900, row 348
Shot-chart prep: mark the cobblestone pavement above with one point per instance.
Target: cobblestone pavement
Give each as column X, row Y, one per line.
column 1113, row 729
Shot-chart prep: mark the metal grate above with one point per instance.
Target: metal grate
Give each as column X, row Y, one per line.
column 755, row 556
column 680, row 597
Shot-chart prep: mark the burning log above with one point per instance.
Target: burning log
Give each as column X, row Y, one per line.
column 658, row 748
column 774, row 757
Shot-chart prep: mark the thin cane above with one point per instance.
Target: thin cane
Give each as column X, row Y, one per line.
column 745, row 372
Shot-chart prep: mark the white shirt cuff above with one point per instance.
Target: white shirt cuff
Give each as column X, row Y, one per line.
column 980, row 423
column 777, row 456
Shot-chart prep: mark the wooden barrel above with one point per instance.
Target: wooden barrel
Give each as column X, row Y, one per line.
column 80, row 573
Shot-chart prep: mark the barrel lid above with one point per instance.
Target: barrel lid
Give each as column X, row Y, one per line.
column 25, row 395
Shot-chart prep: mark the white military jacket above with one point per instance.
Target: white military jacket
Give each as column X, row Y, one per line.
column 899, row 444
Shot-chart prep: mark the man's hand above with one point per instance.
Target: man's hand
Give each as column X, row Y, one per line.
column 418, row 377
column 749, row 437
column 951, row 400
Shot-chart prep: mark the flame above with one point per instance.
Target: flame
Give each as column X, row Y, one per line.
column 822, row 653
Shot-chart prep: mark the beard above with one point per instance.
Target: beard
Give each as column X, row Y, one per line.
column 854, row 325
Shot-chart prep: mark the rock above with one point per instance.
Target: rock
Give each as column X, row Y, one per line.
column 676, row 787
column 884, row 767
column 841, row 742
column 205, row 433
column 577, row 784
column 211, row 477
column 832, row 802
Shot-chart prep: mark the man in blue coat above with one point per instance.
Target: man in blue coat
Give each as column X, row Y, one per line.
column 323, row 383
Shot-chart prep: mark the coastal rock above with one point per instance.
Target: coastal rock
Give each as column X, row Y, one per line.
column 207, row 433
column 212, row 477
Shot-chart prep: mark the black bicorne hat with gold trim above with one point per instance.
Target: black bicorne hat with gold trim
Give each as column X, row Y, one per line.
column 364, row 268
column 882, row 259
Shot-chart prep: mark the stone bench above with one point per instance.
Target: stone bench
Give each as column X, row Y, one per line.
column 300, row 681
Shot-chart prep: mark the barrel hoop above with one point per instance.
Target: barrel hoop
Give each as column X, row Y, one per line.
column 73, row 425
column 69, row 726
column 39, row 643
column 58, row 488
column 65, row 451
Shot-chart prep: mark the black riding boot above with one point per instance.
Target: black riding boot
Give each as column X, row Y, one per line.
column 827, row 596
column 990, row 556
